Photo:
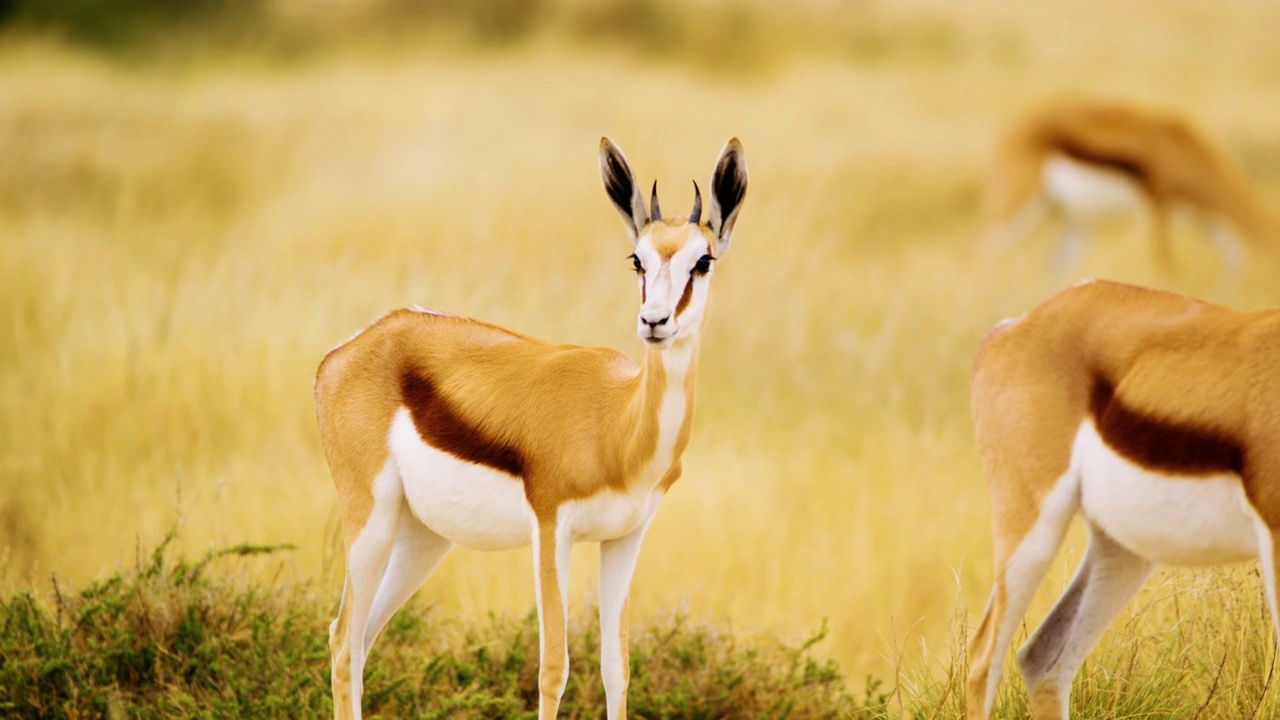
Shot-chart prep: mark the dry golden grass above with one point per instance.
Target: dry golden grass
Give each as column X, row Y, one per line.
column 179, row 246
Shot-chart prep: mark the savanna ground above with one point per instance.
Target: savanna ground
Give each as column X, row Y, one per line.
column 194, row 209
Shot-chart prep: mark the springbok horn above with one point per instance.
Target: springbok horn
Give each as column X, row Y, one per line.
column 696, row 215
column 656, row 214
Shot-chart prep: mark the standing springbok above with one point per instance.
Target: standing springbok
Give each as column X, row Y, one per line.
column 440, row 429
column 1154, row 416
column 1087, row 160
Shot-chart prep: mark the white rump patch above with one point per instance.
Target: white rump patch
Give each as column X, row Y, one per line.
column 1168, row 519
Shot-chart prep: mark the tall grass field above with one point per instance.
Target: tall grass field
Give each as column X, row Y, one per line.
column 194, row 208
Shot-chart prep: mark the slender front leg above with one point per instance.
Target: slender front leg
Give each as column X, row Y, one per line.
column 551, row 567
column 617, row 564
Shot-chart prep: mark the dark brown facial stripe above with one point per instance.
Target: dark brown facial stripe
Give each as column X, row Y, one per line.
column 442, row 428
column 685, row 297
column 1161, row 445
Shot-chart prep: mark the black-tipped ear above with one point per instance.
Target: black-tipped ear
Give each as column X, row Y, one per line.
column 620, row 183
column 728, row 188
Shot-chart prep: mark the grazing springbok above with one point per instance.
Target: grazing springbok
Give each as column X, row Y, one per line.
column 1088, row 160
column 440, row 429
column 1154, row 416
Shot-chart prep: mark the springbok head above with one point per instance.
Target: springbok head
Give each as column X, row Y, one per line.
column 674, row 256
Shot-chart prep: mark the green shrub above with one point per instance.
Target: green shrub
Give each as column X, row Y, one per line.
column 170, row 639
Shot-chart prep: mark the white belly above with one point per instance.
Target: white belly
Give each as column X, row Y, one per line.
column 472, row 505
column 1167, row 519
column 484, row 509
column 1089, row 191
column 607, row 515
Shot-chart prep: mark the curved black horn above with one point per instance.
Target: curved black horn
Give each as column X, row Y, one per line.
column 653, row 203
column 695, row 216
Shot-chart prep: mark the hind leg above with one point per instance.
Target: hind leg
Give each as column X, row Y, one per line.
column 415, row 554
column 1268, row 557
column 1228, row 244
column 1108, row 577
column 1021, row 564
column 368, row 549
column 1159, row 215
column 1016, row 227
column 1070, row 250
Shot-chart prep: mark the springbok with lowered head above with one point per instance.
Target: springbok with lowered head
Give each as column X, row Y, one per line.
column 1154, row 416
column 442, row 430
column 1090, row 159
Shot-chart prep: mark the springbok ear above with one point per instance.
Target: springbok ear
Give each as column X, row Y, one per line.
column 728, row 188
column 622, row 188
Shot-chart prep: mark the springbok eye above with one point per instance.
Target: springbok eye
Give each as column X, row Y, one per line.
column 635, row 261
column 703, row 266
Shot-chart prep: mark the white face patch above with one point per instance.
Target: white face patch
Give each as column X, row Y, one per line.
column 1167, row 519
column 662, row 320
column 469, row 504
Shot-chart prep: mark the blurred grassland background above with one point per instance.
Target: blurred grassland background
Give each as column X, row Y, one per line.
column 198, row 200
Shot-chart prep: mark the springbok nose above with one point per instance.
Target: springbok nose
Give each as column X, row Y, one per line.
column 656, row 323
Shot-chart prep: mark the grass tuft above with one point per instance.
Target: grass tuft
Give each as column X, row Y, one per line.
column 168, row 639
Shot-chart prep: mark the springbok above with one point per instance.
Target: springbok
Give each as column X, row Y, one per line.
column 1154, row 416
column 1088, row 160
column 443, row 430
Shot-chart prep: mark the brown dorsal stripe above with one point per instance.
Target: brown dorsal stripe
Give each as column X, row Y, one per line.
column 1162, row 445
column 441, row 427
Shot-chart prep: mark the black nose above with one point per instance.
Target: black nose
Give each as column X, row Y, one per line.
column 654, row 324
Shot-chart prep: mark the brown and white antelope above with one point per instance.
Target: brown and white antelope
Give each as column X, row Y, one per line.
column 1154, row 416
column 443, row 430
column 1089, row 160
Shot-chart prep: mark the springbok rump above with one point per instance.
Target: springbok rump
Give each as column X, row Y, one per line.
column 442, row 430
column 1086, row 161
column 1156, row 418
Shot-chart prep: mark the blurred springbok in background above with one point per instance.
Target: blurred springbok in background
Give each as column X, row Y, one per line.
column 1089, row 160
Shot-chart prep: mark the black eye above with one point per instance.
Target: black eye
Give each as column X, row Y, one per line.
column 636, row 262
column 703, row 266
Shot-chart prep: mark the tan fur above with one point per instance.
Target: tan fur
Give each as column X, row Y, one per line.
column 1172, row 163
column 592, row 389
column 505, row 384
column 1185, row 363
column 568, row 423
